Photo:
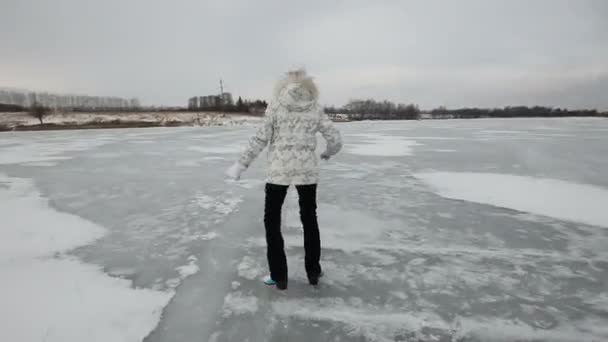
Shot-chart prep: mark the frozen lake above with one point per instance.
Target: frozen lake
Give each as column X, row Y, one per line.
column 460, row 230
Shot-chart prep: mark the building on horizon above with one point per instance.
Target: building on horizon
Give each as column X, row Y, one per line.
column 210, row 101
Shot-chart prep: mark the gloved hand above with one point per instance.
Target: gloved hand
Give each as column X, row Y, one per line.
column 325, row 156
column 234, row 172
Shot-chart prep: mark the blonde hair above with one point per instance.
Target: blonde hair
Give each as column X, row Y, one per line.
column 300, row 77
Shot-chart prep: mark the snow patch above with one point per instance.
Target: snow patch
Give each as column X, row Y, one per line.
column 31, row 229
column 549, row 197
column 190, row 269
column 61, row 299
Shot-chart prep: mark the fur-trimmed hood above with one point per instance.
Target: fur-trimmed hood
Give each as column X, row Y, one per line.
column 296, row 92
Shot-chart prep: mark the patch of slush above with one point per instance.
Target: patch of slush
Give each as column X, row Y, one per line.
column 361, row 320
column 549, row 197
column 204, row 237
column 248, row 268
column 50, row 297
column 388, row 323
column 236, row 303
column 228, row 205
column 220, row 206
column 383, row 146
column 503, row 330
column 190, row 269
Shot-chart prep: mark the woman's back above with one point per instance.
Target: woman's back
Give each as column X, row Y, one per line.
column 291, row 123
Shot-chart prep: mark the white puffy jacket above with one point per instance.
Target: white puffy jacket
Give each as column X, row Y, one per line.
column 291, row 123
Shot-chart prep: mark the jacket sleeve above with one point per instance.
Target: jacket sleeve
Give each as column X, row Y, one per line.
column 330, row 134
column 259, row 141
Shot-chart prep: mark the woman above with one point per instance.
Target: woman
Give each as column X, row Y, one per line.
column 290, row 126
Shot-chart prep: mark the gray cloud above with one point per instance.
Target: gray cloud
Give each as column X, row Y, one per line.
column 452, row 53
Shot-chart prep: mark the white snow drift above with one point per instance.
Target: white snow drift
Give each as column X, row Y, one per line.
column 47, row 296
column 549, row 197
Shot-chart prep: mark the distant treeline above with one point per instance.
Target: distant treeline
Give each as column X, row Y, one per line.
column 512, row 112
column 376, row 110
column 354, row 110
column 386, row 110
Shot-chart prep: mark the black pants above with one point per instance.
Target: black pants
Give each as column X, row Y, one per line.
column 275, row 196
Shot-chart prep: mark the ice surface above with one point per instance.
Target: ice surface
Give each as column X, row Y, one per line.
column 443, row 150
column 382, row 145
column 455, row 230
column 35, row 150
column 216, row 149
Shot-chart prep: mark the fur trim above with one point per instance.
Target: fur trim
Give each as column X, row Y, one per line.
column 297, row 76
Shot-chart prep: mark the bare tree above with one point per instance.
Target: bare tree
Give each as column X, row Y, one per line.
column 38, row 111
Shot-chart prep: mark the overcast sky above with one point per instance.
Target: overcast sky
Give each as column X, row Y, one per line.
column 434, row 53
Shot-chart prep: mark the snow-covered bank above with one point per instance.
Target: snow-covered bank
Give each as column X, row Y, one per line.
column 549, row 197
column 49, row 296
column 23, row 121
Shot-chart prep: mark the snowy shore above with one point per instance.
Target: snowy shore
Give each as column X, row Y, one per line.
column 22, row 121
